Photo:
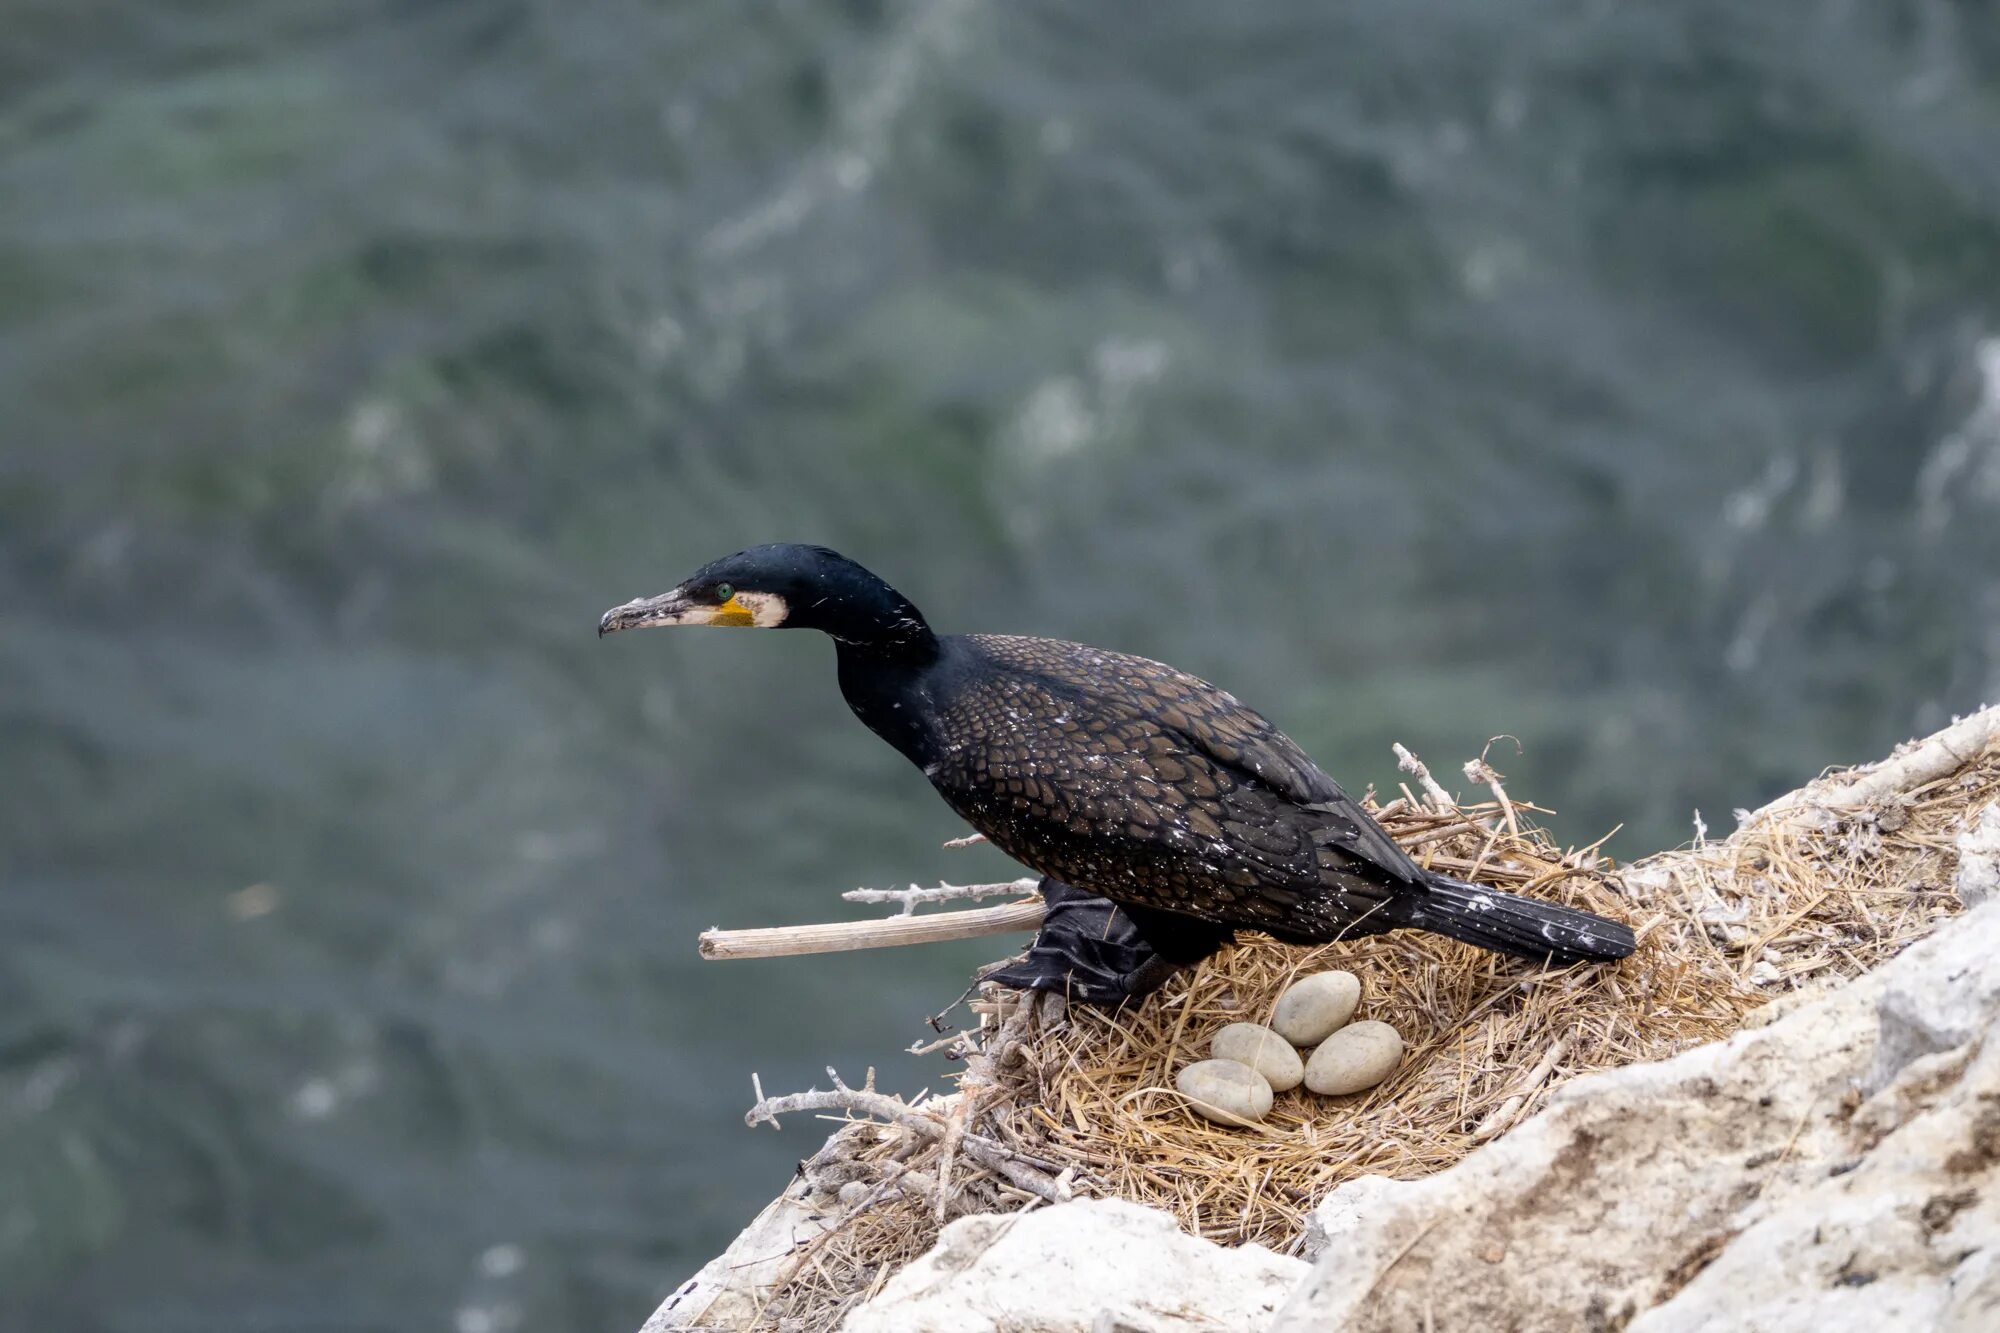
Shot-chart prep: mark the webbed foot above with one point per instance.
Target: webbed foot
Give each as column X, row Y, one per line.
column 1094, row 951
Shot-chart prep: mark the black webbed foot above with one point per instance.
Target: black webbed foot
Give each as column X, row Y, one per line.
column 1094, row 951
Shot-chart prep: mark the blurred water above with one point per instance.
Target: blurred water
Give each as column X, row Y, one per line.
column 1625, row 380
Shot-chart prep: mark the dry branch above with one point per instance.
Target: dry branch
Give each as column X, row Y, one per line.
column 838, row 936
column 1414, row 766
column 1024, row 1170
column 879, row 1105
column 914, row 895
column 1937, row 755
column 1483, row 773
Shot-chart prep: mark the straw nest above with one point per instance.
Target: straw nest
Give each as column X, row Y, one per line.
column 1056, row 1101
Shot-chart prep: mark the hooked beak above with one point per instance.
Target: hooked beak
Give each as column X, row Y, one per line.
column 669, row 608
column 674, row 608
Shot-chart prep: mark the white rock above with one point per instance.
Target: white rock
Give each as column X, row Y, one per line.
column 1357, row 1057
column 1264, row 1051
column 1075, row 1267
column 1225, row 1091
column 1735, row 1187
column 1979, row 857
column 1313, row 1007
column 733, row 1287
column 1922, row 1012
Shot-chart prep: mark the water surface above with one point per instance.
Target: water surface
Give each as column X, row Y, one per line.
column 1623, row 380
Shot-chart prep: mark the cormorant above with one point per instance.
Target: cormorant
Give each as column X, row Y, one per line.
column 1117, row 778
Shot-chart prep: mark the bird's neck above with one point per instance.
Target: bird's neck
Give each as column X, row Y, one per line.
column 884, row 683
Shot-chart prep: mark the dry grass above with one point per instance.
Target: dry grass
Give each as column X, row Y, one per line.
column 1785, row 902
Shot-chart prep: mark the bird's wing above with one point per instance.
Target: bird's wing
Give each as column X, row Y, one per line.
column 1210, row 721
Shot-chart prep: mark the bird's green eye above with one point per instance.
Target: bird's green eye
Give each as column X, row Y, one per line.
column 723, row 592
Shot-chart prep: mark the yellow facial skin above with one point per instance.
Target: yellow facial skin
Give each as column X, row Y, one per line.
column 731, row 612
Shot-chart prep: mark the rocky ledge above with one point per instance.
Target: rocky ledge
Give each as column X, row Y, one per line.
column 1835, row 1165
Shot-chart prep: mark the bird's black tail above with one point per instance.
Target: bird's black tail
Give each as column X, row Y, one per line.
column 1524, row 927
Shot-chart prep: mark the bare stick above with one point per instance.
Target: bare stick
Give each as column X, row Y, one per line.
column 1017, row 1171
column 880, row 1105
column 969, row 840
column 1414, row 766
column 838, row 936
column 1483, row 773
column 1937, row 755
column 1022, row 1170
column 913, row 895
column 927, row 1047
column 954, row 1133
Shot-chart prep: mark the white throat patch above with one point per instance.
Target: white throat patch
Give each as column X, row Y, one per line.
column 767, row 609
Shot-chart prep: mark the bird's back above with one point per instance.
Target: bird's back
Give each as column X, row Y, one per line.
column 1151, row 786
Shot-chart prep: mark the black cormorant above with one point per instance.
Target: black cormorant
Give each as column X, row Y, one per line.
column 1117, row 778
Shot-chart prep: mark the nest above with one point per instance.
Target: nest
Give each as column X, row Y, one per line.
column 1055, row 1102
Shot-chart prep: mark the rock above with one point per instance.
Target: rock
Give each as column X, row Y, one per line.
column 731, row 1288
column 1745, row 1185
column 1225, row 1091
column 1355, row 1058
column 1313, row 1007
column 1075, row 1267
column 1264, row 1051
column 1924, row 1012
column 1979, row 857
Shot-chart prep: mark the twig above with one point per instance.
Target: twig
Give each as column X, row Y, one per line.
column 912, row 1181
column 927, row 1047
column 836, row 936
column 843, row 1098
column 1483, row 773
column 1020, row 1169
column 1018, row 1172
column 1414, row 766
column 969, row 840
column 913, row 895
column 1503, row 1115
column 864, row 1099
column 983, row 1074
column 954, row 1134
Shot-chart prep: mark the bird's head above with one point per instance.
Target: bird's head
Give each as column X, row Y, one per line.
column 782, row 586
